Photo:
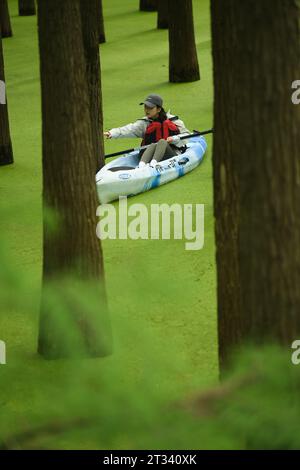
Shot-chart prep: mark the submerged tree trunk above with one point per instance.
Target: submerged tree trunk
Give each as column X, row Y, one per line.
column 27, row 7
column 162, row 14
column 91, row 49
column 183, row 61
column 71, row 248
column 5, row 25
column 99, row 13
column 148, row 5
column 256, row 171
column 6, row 153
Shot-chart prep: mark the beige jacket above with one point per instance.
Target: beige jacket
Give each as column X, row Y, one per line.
column 138, row 129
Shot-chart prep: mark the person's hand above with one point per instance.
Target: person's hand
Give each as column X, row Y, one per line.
column 170, row 139
column 107, row 135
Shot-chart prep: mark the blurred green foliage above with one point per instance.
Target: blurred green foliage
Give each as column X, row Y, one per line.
column 94, row 403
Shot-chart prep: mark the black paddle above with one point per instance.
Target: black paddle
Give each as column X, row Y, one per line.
column 195, row 134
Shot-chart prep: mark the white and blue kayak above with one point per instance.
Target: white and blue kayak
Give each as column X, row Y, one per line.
column 123, row 177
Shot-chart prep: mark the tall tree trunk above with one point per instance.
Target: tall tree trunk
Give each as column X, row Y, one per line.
column 163, row 14
column 68, row 180
column 5, row 25
column 256, row 159
column 226, row 190
column 183, row 61
column 27, row 7
column 90, row 29
column 6, row 153
column 102, row 38
column 148, row 5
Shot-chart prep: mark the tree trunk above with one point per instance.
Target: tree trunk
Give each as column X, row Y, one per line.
column 101, row 33
column 90, row 29
column 27, row 7
column 183, row 61
column 5, row 25
column 256, row 159
column 162, row 15
column 71, row 249
column 6, row 153
column 226, row 191
column 148, row 5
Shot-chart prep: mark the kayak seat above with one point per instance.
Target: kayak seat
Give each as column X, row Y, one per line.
column 118, row 168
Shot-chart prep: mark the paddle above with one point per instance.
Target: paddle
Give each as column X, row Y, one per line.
column 195, row 134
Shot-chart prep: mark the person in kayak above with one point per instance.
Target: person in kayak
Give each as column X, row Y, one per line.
column 158, row 129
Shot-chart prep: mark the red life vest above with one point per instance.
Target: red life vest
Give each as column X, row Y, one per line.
column 160, row 130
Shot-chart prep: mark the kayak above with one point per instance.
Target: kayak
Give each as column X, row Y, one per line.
column 123, row 177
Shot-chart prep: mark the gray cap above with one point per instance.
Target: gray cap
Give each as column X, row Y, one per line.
column 153, row 100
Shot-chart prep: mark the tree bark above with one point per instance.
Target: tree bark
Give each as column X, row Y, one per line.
column 5, row 24
column 27, row 7
column 256, row 54
column 90, row 29
column 148, row 5
column 69, row 190
column 162, row 14
column 6, row 152
column 226, row 190
column 183, row 61
column 102, row 38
